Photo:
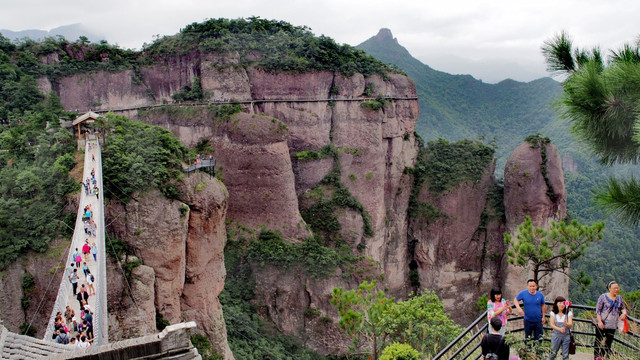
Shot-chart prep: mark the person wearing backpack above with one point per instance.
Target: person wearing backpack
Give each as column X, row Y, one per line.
column 90, row 280
column 493, row 344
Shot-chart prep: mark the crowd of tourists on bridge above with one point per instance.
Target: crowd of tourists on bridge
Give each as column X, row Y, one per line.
column 610, row 311
column 91, row 185
column 75, row 325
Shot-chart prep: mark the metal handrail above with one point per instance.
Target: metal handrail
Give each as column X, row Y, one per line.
column 471, row 337
column 461, row 335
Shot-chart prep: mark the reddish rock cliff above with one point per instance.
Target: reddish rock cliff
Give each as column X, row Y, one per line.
column 460, row 253
column 181, row 243
column 285, row 113
column 528, row 193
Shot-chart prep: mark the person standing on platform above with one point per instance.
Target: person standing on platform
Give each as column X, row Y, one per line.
column 534, row 309
column 609, row 310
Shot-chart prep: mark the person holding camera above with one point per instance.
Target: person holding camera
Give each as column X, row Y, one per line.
column 498, row 307
column 561, row 321
column 609, row 310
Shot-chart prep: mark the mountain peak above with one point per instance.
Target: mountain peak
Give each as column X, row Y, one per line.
column 385, row 34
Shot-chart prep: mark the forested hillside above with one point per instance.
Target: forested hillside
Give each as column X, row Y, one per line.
column 459, row 106
column 34, row 163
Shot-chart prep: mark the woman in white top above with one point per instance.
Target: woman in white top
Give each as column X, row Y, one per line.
column 561, row 320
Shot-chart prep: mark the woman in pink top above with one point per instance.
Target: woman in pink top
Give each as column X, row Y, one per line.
column 86, row 249
column 499, row 307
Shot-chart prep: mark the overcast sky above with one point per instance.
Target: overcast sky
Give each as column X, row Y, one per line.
column 500, row 37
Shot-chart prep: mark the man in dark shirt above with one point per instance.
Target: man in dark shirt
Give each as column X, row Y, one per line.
column 493, row 342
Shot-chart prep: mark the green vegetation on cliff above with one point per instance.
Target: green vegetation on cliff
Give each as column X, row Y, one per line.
column 138, row 156
column 57, row 57
column 330, row 195
column 250, row 335
column 34, row 163
column 440, row 165
column 268, row 44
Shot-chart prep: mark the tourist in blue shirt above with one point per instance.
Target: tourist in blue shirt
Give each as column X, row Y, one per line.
column 534, row 309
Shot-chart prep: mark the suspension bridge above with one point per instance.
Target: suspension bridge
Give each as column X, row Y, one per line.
column 172, row 343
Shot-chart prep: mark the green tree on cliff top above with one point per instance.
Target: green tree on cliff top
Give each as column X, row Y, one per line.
column 602, row 102
column 548, row 251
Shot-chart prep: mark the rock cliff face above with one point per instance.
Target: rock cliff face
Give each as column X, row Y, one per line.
column 528, row 193
column 181, row 245
column 268, row 185
column 460, row 253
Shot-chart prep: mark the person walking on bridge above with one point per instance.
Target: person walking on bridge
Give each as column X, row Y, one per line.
column 94, row 251
column 90, row 280
column 74, row 280
column 77, row 258
column 86, row 249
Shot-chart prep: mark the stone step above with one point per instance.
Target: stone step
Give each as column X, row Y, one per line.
column 192, row 354
column 26, row 347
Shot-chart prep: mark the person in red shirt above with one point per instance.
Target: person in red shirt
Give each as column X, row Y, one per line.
column 86, row 249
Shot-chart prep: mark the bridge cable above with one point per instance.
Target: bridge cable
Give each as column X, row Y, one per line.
column 62, row 260
column 123, row 272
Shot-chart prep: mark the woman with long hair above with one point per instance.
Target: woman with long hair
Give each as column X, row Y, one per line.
column 498, row 307
column 561, row 321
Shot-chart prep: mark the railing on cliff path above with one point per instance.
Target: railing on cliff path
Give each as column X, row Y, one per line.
column 467, row 344
column 245, row 102
column 101, row 311
column 98, row 269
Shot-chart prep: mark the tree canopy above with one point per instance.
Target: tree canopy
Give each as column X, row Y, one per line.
column 372, row 318
column 550, row 251
column 36, row 156
column 601, row 100
column 139, row 156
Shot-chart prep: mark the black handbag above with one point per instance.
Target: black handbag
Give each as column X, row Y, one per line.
column 572, row 345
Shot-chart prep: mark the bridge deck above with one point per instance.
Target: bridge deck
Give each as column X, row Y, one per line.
column 97, row 298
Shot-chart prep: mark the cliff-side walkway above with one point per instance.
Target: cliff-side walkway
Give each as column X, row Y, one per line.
column 250, row 102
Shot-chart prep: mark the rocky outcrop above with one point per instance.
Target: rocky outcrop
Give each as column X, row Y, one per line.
column 253, row 154
column 528, row 191
column 47, row 270
column 181, row 244
column 459, row 256
column 131, row 312
column 459, row 253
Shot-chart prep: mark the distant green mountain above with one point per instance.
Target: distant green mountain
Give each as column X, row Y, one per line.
column 459, row 106
column 70, row 32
